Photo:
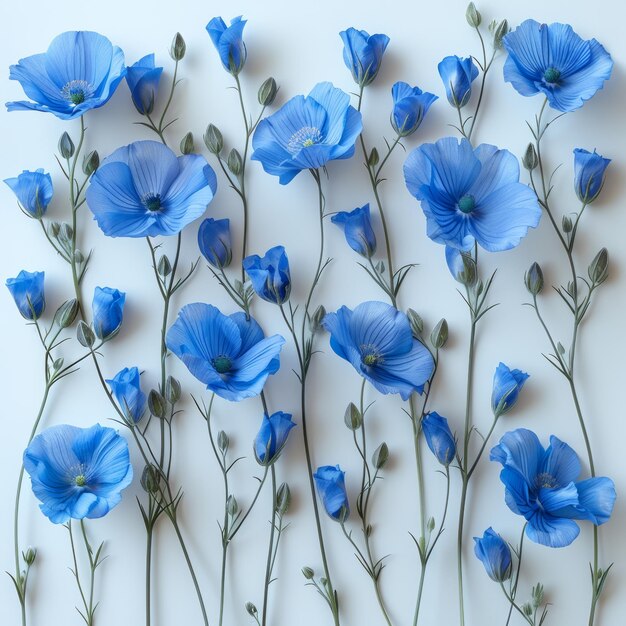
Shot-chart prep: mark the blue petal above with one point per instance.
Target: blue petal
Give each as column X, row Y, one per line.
column 498, row 168
column 528, row 57
column 380, row 326
column 259, row 359
column 597, row 497
column 522, row 451
column 561, row 462
column 414, row 367
column 352, row 129
column 154, row 167
column 553, row 532
column 558, row 498
column 249, row 329
column 336, row 103
column 341, row 340
column 292, row 117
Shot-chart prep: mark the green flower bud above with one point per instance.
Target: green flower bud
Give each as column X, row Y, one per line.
column 164, row 268
column 178, row 47
column 468, row 276
column 213, row 139
column 430, row 524
column 472, row 16
column 530, row 160
column 499, row 32
column 172, row 390
column 267, row 92
column 416, row 322
column 235, row 162
column 439, row 334
column 86, row 337
column 232, row 506
column 66, row 313
column 353, row 417
column 252, row 610
column 54, row 229
column 599, row 268
column 527, row 609
column 373, row 158
column 186, row 144
column 380, row 268
column 566, row 223
column 66, row 232
column 156, row 404
column 283, row 499
column 91, row 163
column 308, row 573
column 222, row 441
column 79, row 257
column 57, row 364
column 315, row 323
column 537, row 595
column 380, row 456
column 29, row 556
column 534, row 279
column 66, row 146
column 150, row 479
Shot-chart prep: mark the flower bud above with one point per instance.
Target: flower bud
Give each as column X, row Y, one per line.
column 91, row 162
column 534, row 279
column 530, row 160
column 66, row 146
column 468, row 276
column 178, row 47
column 54, row 229
column 164, row 268
column 267, row 92
column 439, row 334
column 252, row 610
column 315, row 323
column 222, row 441
column 599, row 268
column 232, row 506
column 380, row 456
column 472, row 16
column 527, row 609
column 235, row 162
column 150, row 479
column 283, row 499
column 566, row 223
column 29, row 556
column 213, row 139
column 308, row 573
column 495, row 555
column 416, row 322
column 373, row 158
column 156, row 404
column 430, row 524
column 499, row 32
column 352, row 417
column 186, row 144
column 66, row 313
column 537, row 595
column 66, row 232
column 172, row 390
column 86, row 337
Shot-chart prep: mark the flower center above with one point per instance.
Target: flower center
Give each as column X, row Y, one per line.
column 77, row 91
column 222, row 364
column 370, row 356
column 545, row 480
column 152, row 201
column 467, row 203
column 303, row 138
column 552, row 75
column 80, row 480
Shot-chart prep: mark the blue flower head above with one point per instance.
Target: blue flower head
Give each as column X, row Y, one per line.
column 272, row 437
column 126, row 388
column 458, row 75
column 439, row 438
column 229, row 354
column 331, row 487
column 228, row 40
column 108, row 311
column 363, row 54
column 270, row 275
column 542, row 486
column 507, row 384
column 79, row 72
column 410, row 105
column 33, row 191
column 589, row 173
column 143, row 81
column 215, row 243
column 145, row 190
column 78, row 472
column 358, row 230
column 555, row 61
column 471, row 195
column 27, row 289
column 495, row 555
column 307, row 133
column 376, row 339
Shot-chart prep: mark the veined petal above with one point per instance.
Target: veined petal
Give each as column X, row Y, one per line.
column 261, row 357
column 498, row 168
column 415, row 366
column 336, row 104
column 554, row 532
column 596, row 497
column 154, row 167
column 554, row 499
column 528, row 48
column 382, row 327
column 249, row 329
column 561, row 462
column 295, row 115
column 522, row 451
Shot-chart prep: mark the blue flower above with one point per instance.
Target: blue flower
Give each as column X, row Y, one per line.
column 78, row 472
column 307, row 133
column 80, row 71
column 554, row 60
column 272, row 437
column 229, row 354
column 458, row 75
column 541, row 485
column 33, row 191
column 108, row 311
column 495, row 555
column 376, row 339
column 145, row 190
column 410, row 105
column 331, row 487
column 215, row 243
column 143, row 81
column 471, row 195
column 358, row 230
column 28, row 292
column 439, row 437
column 126, row 388
column 589, row 172
column 270, row 275
column 362, row 54
column 228, row 40
column 507, row 384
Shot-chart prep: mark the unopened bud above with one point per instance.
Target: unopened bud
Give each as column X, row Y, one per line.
column 235, row 162
column 315, row 323
column 534, row 279
column 178, row 47
column 530, row 160
column 473, row 16
column 172, row 390
column 416, row 322
column 308, row 573
column 373, row 158
column 91, row 162
column 86, row 337
column 156, row 404
column 213, row 139
column 267, row 92
column 439, row 334
column 67, row 312
column 186, row 144
column 380, row 456
column 222, row 441
column 353, row 417
column 599, row 268
column 283, row 499
column 66, row 146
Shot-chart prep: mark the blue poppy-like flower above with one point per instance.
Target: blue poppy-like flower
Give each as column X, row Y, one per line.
column 458, row 75
column 331, row 487
column 495, row 555
column 270, row 275
column 229, row 354
column 589, row 173
column 357, row 228
column 471, row 195
column 215, row 243
column 145, row 190
column 143, row 81
column 439, row 437
column 126, row 388
column 27, row 289
column 108, row 311
column 307, row 133
column 541, row 485
column 78, row 472
column 228, row 40
column 507, row 384
column 80, row 71
column 554, row 60
column 363, row 54
column 33, row 191
column 410, row 105
column 272, row 437
column 376, row 339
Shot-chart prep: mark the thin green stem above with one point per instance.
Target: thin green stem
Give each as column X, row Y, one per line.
column 270, row 550
column 242, row 179
column 74, row 205
column 517, row 572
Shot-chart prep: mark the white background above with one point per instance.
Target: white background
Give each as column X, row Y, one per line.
column 299, row 45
